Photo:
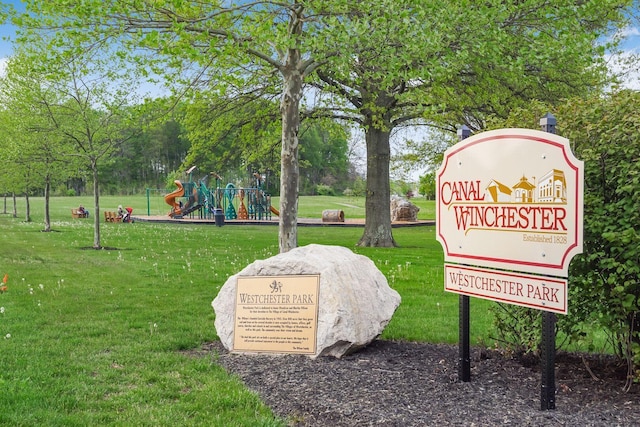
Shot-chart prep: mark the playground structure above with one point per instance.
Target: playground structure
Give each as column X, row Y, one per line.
column 193, row 198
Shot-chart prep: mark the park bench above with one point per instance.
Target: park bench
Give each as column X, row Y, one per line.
column 76, row 214
column 111, row 217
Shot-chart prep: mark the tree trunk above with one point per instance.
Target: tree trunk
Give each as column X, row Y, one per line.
column 289, row 169
column 47, row 195
column 15, row 205
column 27, row 207
column 96, row 207
column 377, row 228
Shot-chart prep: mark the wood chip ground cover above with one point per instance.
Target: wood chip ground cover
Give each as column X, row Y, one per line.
column 416, row 384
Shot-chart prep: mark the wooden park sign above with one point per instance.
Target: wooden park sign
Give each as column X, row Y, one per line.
column 509, row 215
column 510, row 200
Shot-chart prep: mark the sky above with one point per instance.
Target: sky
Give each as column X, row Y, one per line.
column 7, row 31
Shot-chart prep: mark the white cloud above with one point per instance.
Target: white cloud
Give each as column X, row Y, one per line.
column 625, row 66
column 630, row 32
column 3, row 66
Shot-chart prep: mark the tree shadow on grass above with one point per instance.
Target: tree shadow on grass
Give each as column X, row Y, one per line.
column 102, row 248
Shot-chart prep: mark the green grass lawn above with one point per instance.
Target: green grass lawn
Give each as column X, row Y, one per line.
column 97, row 337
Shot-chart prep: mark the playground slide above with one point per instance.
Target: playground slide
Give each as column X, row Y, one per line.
column 170, row 198
column 275, row 211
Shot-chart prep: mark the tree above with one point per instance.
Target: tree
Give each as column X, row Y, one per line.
column 241, row 44
column 323, row 156
column 421, row 149
column 448, row 63
column 463, row 61
column 79, row 108
column 227, row 134
column 167, row 149
column 34, row 150
column 94, row 117
column 427, row 186
column 10, row 178
column 147, row 157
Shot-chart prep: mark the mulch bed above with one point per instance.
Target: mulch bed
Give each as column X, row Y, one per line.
column 415, row 384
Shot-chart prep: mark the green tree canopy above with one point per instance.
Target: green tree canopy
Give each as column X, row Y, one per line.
column 323, row 156
column 444, row 63
column 236, row 137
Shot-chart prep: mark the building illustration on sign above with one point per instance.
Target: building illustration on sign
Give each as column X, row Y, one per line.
column 552, row 188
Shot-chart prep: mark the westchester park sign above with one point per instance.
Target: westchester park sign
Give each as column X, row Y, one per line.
column 509, row 217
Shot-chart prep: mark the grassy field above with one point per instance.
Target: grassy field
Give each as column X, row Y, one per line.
column 99, row 337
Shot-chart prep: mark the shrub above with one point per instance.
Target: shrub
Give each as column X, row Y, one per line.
column 325, row 190
column 604, row 281
column 606, row 277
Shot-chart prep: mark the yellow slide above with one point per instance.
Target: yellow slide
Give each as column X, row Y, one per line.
column 170, row 199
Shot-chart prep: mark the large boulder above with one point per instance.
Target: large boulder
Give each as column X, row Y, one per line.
column 403, row 210
column 355, row 302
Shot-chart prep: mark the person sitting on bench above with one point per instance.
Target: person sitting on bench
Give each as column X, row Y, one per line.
column 83, row 212
column 127, row 214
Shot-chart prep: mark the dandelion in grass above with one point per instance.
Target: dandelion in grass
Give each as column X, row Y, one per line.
column 1, row 310
column 41, row 286
column 6, row 337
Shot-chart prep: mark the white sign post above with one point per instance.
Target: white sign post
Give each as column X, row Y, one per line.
column 509, row 216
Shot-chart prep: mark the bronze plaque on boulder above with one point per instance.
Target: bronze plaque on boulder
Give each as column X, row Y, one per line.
column 276, row 314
